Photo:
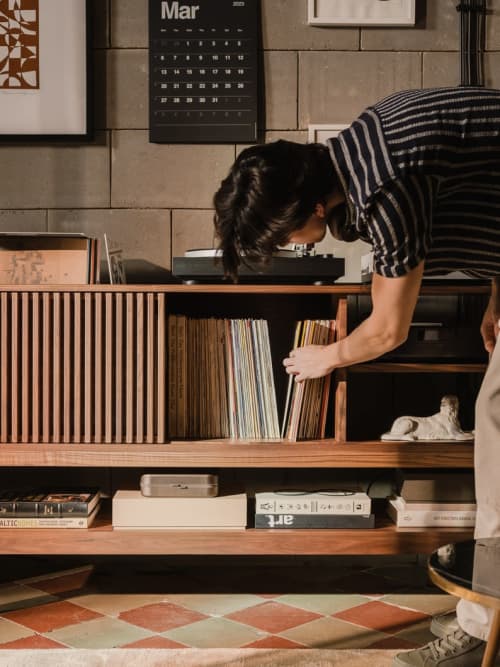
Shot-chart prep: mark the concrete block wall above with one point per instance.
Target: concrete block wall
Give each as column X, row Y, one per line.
column 155, row 200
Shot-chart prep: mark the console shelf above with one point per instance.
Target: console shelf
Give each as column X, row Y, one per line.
column 101, row 539
column 83, row 384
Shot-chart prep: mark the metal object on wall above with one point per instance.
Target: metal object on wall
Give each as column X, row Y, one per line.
column 203, row 71
column 472, row 41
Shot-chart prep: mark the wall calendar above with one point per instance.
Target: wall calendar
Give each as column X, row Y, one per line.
column 203, row 62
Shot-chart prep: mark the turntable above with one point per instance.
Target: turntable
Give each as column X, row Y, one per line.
column 300, row 266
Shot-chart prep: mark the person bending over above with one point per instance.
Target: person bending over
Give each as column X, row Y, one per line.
column 416, row 175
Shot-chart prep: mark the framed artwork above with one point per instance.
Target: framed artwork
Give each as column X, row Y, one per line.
column 361, row 12
column 44, row 69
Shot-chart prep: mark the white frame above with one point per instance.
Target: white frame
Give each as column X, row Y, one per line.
column 361, row 12
column 59, row 105
column 318, row 133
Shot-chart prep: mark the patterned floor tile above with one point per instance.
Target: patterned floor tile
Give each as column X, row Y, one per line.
column 273, row 617
column 51, row 616
column 273, row 641
column 33, row 641
column 214, row 633
column 99, row 633
column 17, row 596
column 428, row 604
column 161, row 616
column 332, row 633
column 382, row 617
column 216, row 605
column 155, row 641
column 324, row 604
column 10, row 631
column 113, row 604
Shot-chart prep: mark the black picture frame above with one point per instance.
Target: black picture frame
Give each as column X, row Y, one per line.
column 60, row 108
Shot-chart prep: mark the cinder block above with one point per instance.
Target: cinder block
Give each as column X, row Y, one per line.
column 165, row 175
column 336, row 87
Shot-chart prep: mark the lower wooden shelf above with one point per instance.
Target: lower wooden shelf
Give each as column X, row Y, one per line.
column 101, row 539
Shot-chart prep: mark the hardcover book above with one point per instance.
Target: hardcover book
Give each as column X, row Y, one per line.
column 428, row 518
column 49, row 521
column 284, row 521
column 44, row 503
column 327, row 502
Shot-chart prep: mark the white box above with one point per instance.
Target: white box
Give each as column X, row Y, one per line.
column 133, row 510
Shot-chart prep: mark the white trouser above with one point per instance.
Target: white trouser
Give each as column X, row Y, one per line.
column 472, row 617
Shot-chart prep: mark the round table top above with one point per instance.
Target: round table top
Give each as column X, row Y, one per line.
column 470, row 570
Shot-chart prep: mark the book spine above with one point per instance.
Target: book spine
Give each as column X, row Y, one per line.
column 422, row 519
column 284, row 521
column 312, row 506
column 46, row 522
column 436, row 519
column 33, row 509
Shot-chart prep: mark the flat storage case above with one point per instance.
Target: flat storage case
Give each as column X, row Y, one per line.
column 190, row 486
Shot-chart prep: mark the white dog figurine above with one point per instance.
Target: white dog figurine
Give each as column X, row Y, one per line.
column 444, row 425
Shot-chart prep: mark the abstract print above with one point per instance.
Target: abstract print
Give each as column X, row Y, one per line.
column 19, row 49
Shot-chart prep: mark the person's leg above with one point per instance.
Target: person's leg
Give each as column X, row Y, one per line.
column 474, row 618
column 463, row 647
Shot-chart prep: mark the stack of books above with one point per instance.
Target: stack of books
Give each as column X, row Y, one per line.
column 48, row 259
column 132, row 510
column 434, row 499
column 49, row 509
column 328, row 508
column 307, row 402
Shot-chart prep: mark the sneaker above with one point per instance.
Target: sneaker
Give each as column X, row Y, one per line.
column 456, row 650
column 444, row 624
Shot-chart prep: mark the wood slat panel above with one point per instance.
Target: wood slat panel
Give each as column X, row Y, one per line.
column 25, row 367
column 57, row 343
column 4, row 366
column 150, row 369
column 129, row 369
column 162, row 369
column 35, row 368
column 98, row 374
column 77, row 368
column 108, row 369
column 139, row 374
column 67, row 385
column 119, row 361
column 46, row 380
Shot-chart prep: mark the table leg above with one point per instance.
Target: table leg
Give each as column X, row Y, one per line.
column 493, row 642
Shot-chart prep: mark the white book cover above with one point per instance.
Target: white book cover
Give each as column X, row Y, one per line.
column 133, row 510
column 312, row 503
column 428, row 518
column 412, row 505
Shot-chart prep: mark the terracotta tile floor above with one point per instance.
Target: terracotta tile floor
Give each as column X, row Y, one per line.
column 215, row 603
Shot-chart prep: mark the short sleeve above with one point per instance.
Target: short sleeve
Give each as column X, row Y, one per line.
column 399, row 224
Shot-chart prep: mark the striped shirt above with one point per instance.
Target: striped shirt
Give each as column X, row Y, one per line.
column 420, row 172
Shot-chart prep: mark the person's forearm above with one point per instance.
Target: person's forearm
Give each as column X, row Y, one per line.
column 368, row 341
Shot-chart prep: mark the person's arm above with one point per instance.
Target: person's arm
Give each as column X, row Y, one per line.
column 393, row 304
column 490, row 322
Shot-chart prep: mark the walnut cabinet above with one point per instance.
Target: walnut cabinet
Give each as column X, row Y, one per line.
column 83, row 386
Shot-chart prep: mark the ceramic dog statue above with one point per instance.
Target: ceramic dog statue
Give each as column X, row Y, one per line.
column 444, row 425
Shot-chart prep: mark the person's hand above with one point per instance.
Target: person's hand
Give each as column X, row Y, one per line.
column 489, row 330
column 308, row 362
column 490, row 323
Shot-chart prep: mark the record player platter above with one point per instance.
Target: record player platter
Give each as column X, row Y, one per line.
column 285, row 267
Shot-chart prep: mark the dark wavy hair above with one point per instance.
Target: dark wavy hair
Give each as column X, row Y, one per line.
column 270, row 192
